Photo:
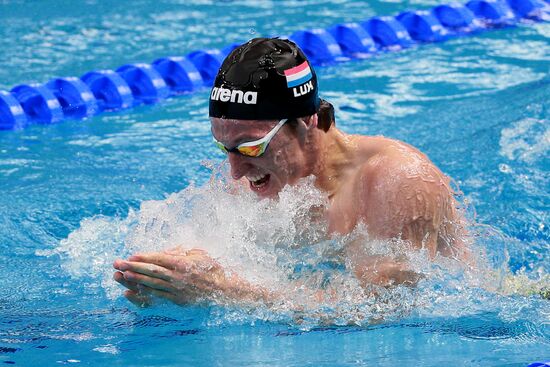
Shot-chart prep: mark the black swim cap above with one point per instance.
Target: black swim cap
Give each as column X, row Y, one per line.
column 265, row 79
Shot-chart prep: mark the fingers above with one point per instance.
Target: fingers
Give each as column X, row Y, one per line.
column 119, row 277
column 175, row 250
column 157, row 258
column 138, row 299
column 162, row 274
column 182, row 252
column 167, row 295
column 168, row 258
column 145, row 280
column 152, row 270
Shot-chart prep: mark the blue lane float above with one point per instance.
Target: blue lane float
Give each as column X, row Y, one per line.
column 75, row 97
column 110, row 90
column 492, row 12
column 388, row 33
column 207, row 62
column 422, row 26
column 530, row 9
column 318, row 45
column 457, row 18
column 133, row 84
column 179, row 74
column 39, row 103
column 12, row 115
column 145, row 82
column 354, row 41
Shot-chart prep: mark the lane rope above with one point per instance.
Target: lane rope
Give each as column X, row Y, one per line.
column 134, row 84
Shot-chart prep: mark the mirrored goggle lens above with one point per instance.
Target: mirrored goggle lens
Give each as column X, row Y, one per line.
column 251, row 151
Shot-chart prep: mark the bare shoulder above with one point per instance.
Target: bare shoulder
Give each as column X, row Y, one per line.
column 396, row 163
column 404, row 193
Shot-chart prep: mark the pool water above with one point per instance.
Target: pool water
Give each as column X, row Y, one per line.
column 78, row 194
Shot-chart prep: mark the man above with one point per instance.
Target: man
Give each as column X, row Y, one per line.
column 266, row 115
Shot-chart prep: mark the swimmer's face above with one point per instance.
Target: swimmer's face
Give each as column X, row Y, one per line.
column 282, row 163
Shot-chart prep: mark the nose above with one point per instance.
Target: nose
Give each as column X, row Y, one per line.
column 239, row 165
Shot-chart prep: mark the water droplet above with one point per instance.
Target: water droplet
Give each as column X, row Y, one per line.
column 504, row 168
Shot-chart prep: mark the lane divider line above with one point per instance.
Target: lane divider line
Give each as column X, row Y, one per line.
column 134, row 84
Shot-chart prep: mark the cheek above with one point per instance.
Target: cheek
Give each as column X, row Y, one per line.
column 279, row 158
column 285, row 157
column 284, row 163
column 280, row 154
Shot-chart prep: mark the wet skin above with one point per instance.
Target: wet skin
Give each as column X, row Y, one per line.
column 391, row 187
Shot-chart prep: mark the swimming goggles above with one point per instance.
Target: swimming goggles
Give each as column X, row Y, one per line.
column 253, row 148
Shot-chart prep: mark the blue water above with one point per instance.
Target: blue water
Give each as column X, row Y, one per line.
column 78, row 194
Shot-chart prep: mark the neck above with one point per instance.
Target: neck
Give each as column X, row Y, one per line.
column 334, row 155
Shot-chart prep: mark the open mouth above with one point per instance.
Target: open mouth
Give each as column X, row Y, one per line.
column 258, row 181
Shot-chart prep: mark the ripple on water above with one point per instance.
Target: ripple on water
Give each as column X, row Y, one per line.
column 526, row 140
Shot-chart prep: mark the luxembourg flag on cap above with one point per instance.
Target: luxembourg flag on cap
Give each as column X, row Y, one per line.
column 298, row 75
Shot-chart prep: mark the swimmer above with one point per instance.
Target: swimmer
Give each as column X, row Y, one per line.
column 266, row 115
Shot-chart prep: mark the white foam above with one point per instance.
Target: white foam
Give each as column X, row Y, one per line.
column 108, row 348
column 265, row 241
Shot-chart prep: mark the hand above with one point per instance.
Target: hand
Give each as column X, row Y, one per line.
column 388, row 272
column 180, row 276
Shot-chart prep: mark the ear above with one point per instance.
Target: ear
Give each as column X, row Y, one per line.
column 311, row 121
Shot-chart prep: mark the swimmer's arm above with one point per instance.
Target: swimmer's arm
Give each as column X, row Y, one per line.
column 378, row 270
column 170, row 277
column 185, row 277
column 399, row 206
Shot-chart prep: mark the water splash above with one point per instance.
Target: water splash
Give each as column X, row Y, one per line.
column 283, row 245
